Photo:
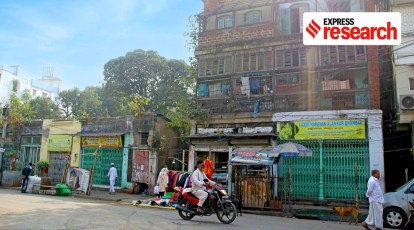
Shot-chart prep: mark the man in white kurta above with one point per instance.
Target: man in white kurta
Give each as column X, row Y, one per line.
column 376, row 200
column 113, row 175
column 198, row 183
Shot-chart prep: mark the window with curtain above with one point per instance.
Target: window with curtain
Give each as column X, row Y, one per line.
column 225, row 21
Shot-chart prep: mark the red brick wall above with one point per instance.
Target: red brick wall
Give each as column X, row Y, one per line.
column 241, row 33
column 212, row 4
column 373, row 67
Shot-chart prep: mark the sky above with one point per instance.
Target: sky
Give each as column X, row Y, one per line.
column 77, row 37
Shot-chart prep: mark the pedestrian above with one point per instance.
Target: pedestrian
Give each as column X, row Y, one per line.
column 113, row 176
column 25, row 176
column 162, row 182
column 376, row 200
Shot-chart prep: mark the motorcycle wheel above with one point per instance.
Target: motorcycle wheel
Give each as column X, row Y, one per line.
column 227, row 213
column 185, row 215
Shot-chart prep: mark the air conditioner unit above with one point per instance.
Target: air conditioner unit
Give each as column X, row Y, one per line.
column 407, row 101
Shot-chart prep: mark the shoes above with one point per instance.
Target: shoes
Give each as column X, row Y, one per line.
column 365, row 225
column 200, row 210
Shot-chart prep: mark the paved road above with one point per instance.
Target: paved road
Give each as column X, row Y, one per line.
column 32, row 211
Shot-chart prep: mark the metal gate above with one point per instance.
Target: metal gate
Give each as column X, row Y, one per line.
column 57, row 165
column 256, row 188
column 106, row 156
column 333, row 176
column 30, row 154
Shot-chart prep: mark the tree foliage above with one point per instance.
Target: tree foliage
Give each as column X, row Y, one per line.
column 44, row 108
column 149, row 75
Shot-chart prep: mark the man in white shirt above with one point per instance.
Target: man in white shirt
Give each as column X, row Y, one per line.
column 113, row 175
column 376, row 200
column 198, row 183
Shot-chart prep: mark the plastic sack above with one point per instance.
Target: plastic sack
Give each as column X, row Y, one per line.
column 156, row 190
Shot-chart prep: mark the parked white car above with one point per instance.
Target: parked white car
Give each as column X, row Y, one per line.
column 398, row 205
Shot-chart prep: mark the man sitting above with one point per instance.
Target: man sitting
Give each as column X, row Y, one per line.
column 199, row 180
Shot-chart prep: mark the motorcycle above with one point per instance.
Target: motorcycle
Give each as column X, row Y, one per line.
column 217, row 202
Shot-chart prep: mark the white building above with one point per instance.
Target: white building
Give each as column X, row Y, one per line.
column 11, row 81
column 404, row 63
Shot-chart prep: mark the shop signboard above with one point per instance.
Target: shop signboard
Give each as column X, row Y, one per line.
column 322, row 129
column 109, row 141
column 59, row 143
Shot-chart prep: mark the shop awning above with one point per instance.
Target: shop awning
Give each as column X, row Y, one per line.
column 253, row 156
column 100, row 134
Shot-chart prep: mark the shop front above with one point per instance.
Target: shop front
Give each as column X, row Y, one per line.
column 255, row 178
column 59, row 149
column 346, row 145
column 107, row 148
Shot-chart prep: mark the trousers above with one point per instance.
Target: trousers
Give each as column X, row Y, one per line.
column 201, row 195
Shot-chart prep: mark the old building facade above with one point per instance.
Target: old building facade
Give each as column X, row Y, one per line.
column 253, row 67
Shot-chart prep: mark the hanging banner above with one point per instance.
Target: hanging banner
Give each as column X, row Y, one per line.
column 322, row 129
column 114, row 141
column 59, row 143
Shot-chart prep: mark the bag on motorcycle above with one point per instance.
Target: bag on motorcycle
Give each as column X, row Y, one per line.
column 156, row 190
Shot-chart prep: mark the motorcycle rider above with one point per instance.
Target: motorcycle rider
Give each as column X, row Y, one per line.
column 199, row 179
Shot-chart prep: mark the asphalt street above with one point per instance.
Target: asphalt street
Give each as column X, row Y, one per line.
column 33, row 211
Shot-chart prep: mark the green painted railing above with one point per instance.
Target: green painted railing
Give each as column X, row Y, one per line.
column 106, row 156
column 335, row 178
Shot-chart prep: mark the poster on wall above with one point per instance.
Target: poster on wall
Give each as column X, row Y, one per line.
column 78, row 179
column 114, row 141
column 322, row 129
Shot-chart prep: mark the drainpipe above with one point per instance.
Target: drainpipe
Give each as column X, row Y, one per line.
column 321, row 182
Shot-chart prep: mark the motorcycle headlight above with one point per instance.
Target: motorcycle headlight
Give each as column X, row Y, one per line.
column 224, row 192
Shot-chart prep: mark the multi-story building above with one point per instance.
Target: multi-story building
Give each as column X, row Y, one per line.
column 404, row 91
column 255, row 74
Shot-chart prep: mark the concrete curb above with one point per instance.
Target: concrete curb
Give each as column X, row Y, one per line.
column 96, row 198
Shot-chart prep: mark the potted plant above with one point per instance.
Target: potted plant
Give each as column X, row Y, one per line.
column 42, row 167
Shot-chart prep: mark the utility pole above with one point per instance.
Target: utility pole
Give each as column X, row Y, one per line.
column 5, row 113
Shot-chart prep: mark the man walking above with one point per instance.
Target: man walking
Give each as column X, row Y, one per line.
column 25, row 176
column 376, row 200
column 113, row 175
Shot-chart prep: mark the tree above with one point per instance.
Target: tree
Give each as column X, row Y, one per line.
column 44, row 108
column 78, row 104
column 19, row 111
column 149, row 75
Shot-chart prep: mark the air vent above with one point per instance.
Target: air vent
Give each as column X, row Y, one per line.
column 407, row 101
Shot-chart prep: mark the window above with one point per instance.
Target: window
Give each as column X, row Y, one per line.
column 224, row 22
column 254, row 62
column 291, row 18
column 44, row 94
column 34, row 92
column 253, row 17
column 144, row 139
column 215, row 89
column 291, row 58
column 411, row 83
column 215, row 66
